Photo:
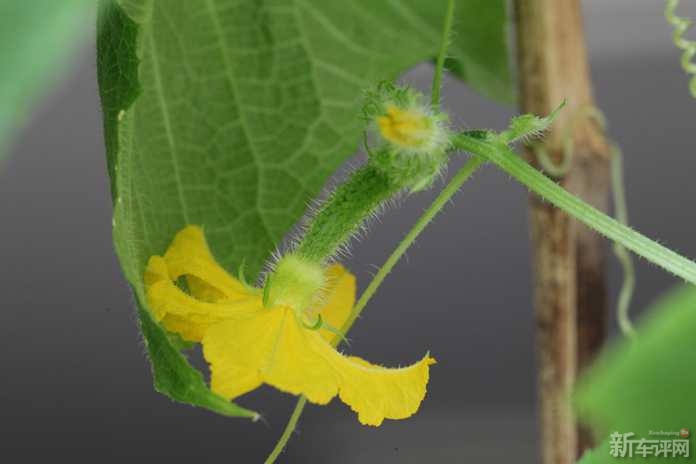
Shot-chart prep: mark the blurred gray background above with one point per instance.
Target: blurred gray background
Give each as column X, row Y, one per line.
column 76, row 386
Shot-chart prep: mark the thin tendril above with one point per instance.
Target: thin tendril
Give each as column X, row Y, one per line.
column 619, row 199
column 442, row 56
column 445, row 196
column 289, row 429
column 624, row 257
column 558, row 171
column 681, row 25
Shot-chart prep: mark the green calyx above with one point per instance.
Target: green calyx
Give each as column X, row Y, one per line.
column 295, row 282
column 403, row 122
column 386, row 93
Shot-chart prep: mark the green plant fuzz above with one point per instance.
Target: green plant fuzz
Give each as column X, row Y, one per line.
column 412, row 137
column 528, row 126
column 412, row 143
column 344, row 212
column 492, row 148
column 403, row 122
column 296, row 282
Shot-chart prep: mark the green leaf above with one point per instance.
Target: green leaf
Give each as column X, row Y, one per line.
column 646, row 384
column 233, row 114
column 174, row 377
column 36, row 39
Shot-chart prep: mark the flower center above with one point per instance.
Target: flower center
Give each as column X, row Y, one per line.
column 405, row 128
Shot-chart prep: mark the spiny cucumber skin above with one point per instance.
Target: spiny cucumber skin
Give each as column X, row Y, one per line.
column 386, row 174
column 345, row 211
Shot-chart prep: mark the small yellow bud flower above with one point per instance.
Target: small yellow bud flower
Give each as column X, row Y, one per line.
column 413, row 129
column 406, row 128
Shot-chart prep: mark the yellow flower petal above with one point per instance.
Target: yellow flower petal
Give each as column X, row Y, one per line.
column 189, row 255
column 377, row 393
column 407, row 128
column 340, row 299
column 247, row 345
column 275, row 348
column 184, row 314
column 237, row 350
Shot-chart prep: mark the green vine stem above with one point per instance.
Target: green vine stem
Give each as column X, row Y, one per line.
column 287, row 433
column 508, row 161
column 681, row 25
column 619, row 199
column 442, row 56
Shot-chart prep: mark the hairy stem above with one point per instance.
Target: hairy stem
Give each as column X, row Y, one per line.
column 538, row 183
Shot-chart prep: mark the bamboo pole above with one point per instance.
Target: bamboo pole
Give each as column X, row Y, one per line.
column 568, row 259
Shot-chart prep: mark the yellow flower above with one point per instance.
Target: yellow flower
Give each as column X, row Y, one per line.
column 247, row 344
column 411, row 129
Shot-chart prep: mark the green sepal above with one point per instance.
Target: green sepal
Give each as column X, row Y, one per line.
column 528, row 126
column 318, row 324
column 267, row 290
column 386, row 92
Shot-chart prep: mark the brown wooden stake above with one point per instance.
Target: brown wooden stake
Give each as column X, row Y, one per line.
column 568, row 259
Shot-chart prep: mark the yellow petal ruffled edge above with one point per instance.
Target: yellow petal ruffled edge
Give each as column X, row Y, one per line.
column 274, row 348
column 247, row 345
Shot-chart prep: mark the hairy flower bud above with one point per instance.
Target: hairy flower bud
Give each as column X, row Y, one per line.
column 405, row 123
